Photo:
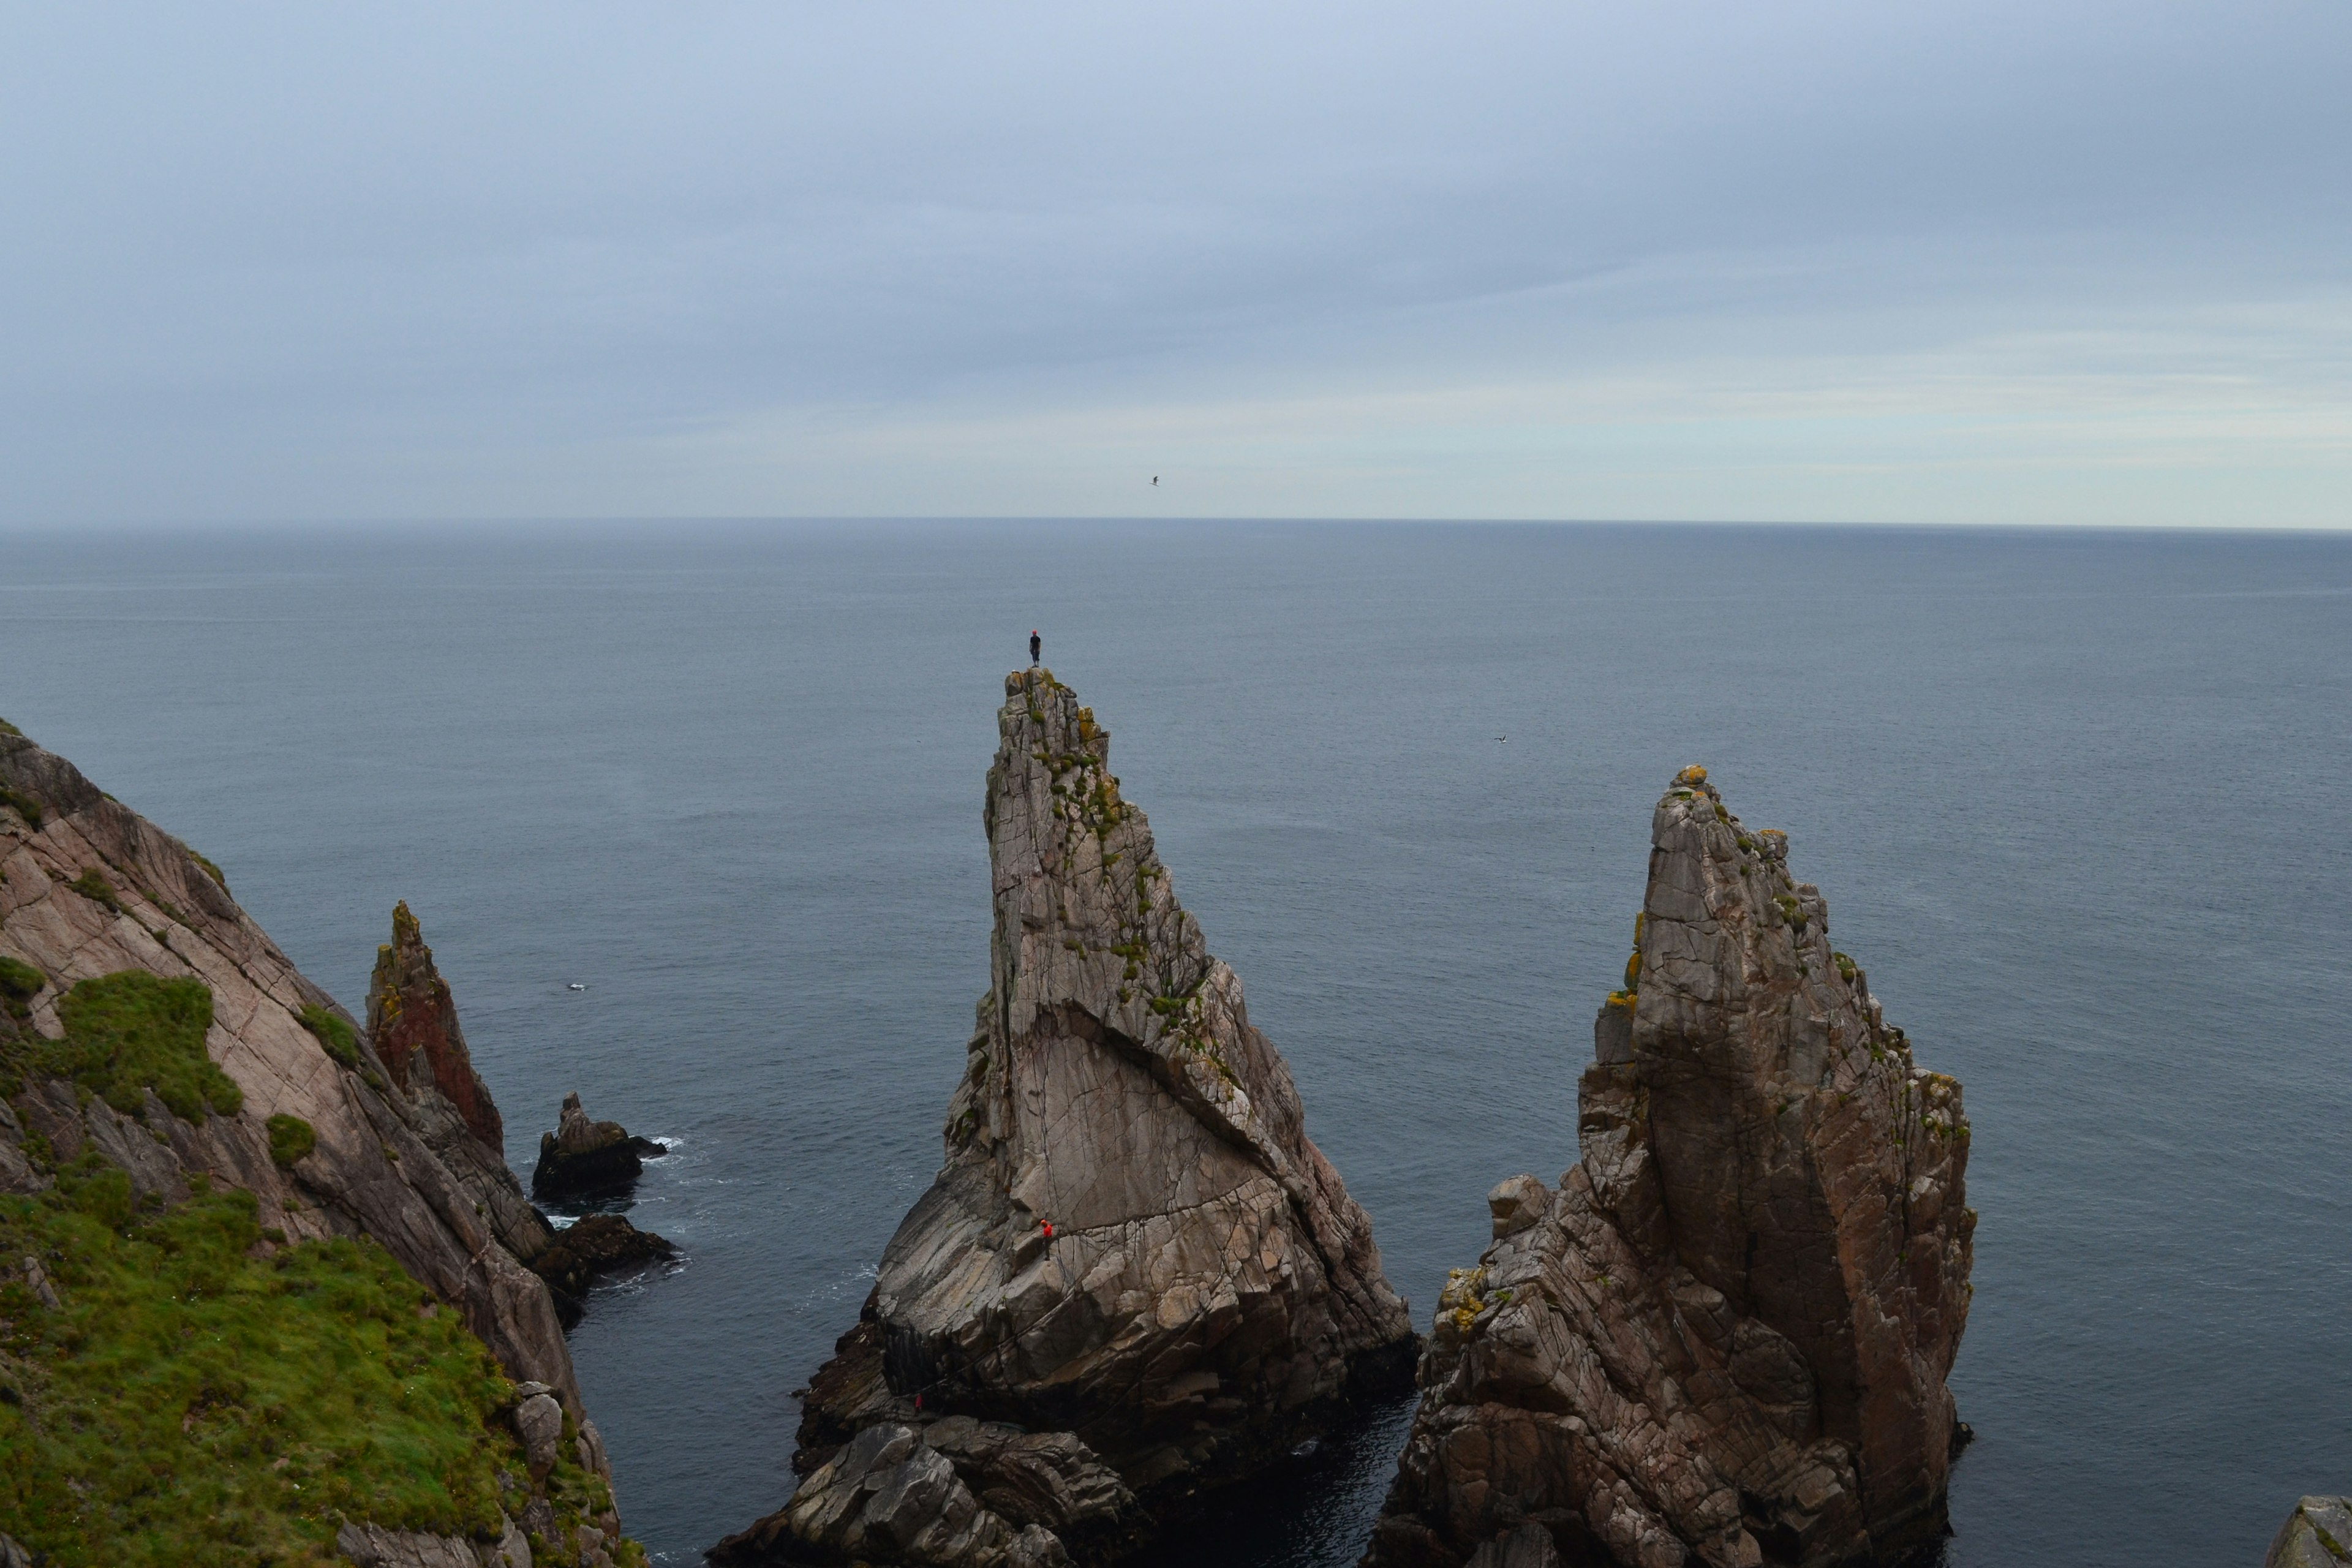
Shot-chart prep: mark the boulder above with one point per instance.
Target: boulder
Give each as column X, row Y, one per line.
column 1133, row 1247
column 2317, row 1535
column 1724, row 1338
column 584, row 1159
column 539, row 1421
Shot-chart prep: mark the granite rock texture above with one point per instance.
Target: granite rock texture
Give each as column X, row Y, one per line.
column 406, row 1145
column 1132, row 1246
column 584, row 1159
column 2317, row 1535
column 1724, row 1338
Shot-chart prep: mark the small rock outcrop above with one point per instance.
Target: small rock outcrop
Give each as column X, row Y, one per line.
column 1724, row 1338
column 2317, row 1535
column 1134, row 1269
column 584, row 1159
column 593, row 1246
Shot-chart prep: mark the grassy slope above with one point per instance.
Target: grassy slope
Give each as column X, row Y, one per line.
column 203, row 1399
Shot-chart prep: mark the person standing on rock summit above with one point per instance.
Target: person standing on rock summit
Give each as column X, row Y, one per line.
column 1033, row 646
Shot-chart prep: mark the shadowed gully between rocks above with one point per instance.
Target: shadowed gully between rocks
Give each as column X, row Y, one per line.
column 1135, row 1278
column 1724, row 1338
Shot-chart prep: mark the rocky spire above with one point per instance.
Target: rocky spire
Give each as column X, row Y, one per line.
column 1132, row 1239
column 412, row 1024
column 1724, row 1339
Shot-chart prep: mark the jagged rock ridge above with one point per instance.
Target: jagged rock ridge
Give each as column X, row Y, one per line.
column 1724, row 1338
column 1132, row 1247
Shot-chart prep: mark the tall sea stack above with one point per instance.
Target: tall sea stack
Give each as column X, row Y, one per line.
column 1134, row 1276
column 1724, row 1338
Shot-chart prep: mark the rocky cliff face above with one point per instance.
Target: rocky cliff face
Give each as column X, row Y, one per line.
column 386, row 1133
column 1724, row 1338
column 1132, row 1247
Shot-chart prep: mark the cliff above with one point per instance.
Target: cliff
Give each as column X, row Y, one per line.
column 1724, row 1337
column 1134, row 1276
column 161, row 1058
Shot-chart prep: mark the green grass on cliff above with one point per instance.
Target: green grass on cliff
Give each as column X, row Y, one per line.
column 194, row 1404
column 131, row 1031
column 335, row 1037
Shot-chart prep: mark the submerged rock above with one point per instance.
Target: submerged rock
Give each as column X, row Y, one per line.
column 2317, row 1535
column 1133, row 1247
column 1724, row 1338
column 596, row 1244
column 584, row 1159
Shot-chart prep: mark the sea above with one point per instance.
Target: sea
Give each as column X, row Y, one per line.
column 2077, row 800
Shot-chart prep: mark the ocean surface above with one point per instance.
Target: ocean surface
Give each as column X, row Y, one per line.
column 2077, row 800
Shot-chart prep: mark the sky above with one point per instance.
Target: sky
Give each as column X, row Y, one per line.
column 1812, row 261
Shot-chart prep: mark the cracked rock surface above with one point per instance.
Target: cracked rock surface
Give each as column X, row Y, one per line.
column 1132, row 1248
column 1724, row 1338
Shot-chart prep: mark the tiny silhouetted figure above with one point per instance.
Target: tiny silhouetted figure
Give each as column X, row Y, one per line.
column 1034, row 646
column 1155, row 481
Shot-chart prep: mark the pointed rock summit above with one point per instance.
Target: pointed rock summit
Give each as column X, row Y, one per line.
column 413, row 1025
column 1724, row 1338
column 1133, row 1255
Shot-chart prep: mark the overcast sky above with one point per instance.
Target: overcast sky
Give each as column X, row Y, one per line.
column 1991, row 261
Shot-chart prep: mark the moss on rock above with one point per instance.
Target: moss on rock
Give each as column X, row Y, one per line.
column 291, row 1138
column 335, row 1037
column 132, row 1031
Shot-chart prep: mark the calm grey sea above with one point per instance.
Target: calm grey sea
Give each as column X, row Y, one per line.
column 2077, row 800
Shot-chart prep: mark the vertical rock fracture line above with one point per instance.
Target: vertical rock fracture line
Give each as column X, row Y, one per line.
column 1133, row 1251
column 1724, row 1339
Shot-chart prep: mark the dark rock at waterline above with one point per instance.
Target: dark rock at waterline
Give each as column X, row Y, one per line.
column 584, row 1159
column 598, row 1244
